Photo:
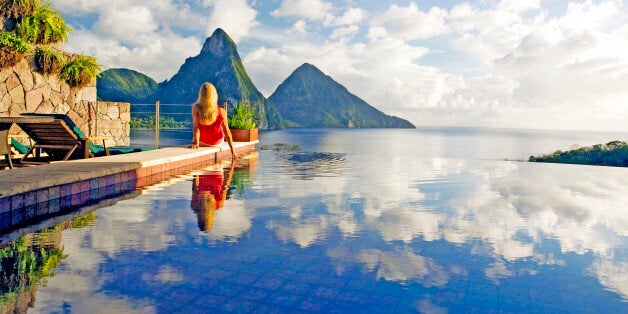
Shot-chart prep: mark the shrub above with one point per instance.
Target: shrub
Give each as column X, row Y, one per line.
column 48, row 60
column 45, row 26
column 12, row 49
column 17, row 8
column 243, row 117
column 80, row 71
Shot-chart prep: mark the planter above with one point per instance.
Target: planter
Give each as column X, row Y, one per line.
column 240, row 135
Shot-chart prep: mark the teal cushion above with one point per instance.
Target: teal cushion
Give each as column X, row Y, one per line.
column 21, row 148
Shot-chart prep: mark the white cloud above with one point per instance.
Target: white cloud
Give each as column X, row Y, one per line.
column 236, row 17
column 131, row 22
column 344, row 32
column 306, row 9
column 412, row 23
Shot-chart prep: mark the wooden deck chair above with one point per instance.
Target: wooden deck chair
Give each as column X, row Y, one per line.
column 61, row 139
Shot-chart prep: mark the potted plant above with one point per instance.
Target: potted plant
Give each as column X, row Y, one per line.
column 45, row 26
column 242, row 123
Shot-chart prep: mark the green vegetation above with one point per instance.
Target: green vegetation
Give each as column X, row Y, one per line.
column 49, row 60
column 125, row 85
column 164, row 123
column 614, row 154
column 80, row 71
column 14, row 9
column 243, row 117
column 12, row 49
column 45, row 26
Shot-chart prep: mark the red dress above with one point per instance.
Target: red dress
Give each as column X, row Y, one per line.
column 211, row 134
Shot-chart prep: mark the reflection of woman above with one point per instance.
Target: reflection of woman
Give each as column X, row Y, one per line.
column 210, row 126
column 209, row 191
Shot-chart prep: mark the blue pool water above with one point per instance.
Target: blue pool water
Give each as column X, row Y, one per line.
column 354, row 221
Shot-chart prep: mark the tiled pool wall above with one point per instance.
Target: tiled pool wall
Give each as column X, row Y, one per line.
column 28, row 207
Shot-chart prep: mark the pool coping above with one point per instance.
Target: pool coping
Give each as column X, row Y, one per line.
column 29, row 193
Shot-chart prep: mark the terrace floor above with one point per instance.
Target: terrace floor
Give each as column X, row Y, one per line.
column 31, row 193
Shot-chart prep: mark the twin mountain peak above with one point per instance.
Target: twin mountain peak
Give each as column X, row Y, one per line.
column 307, row 98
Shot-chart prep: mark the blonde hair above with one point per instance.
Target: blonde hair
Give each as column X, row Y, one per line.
column 207, row 103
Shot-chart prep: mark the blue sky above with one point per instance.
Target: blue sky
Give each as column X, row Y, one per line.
column 552, row 64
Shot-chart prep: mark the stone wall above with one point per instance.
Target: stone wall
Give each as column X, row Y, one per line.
column 24, row 90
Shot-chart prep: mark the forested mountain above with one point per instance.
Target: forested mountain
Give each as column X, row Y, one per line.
column 309, row 98
column 125, row 85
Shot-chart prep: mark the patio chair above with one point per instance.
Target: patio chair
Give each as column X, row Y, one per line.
column 61, row 139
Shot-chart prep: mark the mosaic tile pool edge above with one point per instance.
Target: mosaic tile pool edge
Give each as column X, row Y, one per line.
column 23, row 208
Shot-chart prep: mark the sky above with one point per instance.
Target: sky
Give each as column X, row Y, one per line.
column 541, row 64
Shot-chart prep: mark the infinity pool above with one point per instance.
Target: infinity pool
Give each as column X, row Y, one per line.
column 322, row 228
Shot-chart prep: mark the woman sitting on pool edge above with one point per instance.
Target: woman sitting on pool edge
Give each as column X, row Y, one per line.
column 210, row 125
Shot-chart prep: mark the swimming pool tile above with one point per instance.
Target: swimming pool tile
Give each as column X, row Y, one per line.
column 297, row 288
column 218, row 274
column 352, row 296
column 65, row 190
column 388, row 287
column 17, row 201
column 270, row 283
column 41, row 209
column 333, row 281
column 30, row 198
column 227, row 289
column 5, row 220
column 210, row 301
column 336, row 306
column 308, row 277
column 5, row 205
column 313, row 304
column 272, row 309
column 481, row 288
column 17, row 216
column 482, row 300
column 283, row 274
column 54, row 192
column 181, row 295
column 42, row 195
column 283, row 298
column 242, row 278
column 325, row 292
column 254, row 294
column 54, row 205
column 384, row 300
column 238, row 306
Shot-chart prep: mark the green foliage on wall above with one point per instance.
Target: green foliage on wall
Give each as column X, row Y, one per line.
column 45, row 26
column 80, row 71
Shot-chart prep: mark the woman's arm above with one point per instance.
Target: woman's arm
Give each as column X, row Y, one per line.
column 196, row 132
column 225, row 127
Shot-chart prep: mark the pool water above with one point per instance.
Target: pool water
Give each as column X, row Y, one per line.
column 343, row 222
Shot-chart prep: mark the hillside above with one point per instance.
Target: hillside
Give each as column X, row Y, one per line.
column 309, row 98
column 125, row 85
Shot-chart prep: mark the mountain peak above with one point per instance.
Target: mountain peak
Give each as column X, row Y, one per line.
column 311, row 98
column 219, row 43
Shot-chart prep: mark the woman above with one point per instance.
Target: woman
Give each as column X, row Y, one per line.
column 210, row 121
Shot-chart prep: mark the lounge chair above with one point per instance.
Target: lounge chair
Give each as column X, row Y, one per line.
column 61, row 139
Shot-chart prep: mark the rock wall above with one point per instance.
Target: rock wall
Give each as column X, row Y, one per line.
column 24, row 90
